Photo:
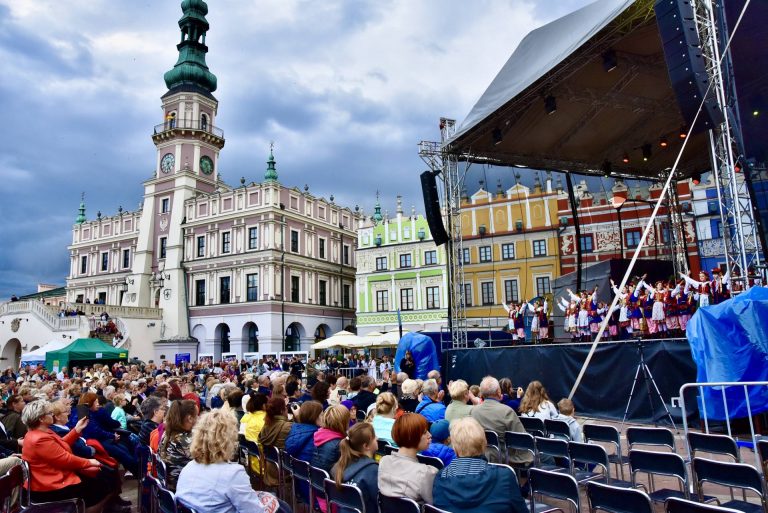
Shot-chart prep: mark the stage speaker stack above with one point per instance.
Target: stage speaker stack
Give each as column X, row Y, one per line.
column 685, row 63
column 432, row 208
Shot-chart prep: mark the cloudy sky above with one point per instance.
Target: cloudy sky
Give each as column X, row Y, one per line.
column 345, row 89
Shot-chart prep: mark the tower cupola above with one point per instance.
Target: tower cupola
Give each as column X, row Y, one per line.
column 190, row 70
column 271, row 174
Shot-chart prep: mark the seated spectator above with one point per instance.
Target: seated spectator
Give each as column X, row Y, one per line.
column 365, row 397
column 460, row 397
column 321, row 392
column 440, row 445
column 339, row 393
column 354, row 387
column 511, row 397
column 334, row 426
column 494, row 416
column 211, row 482
column 274, row 433
column 12, row 422
column 61, row 411
column 408, row 399
column 400, row 473
column 357, row 466
column 300, row 442
column 469, row 484
column 253, row 421
column 234, row 400
column 118, row 412
column 153, row 411
column 52, row 466
column 174, row 446
column 430, row 406
column 384, row 420
column 536, row 402
column 102, row 428
column 567, row 414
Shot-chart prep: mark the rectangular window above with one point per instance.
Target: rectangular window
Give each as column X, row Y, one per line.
column 163, row 246
column 83, row 264
column 405, row 260
column 294, row 241
column 226, row 242
column 381, row 263
column 253, row 238
column 201, row 246
column 587, row 244
column 252, row 287
column 406, row 299
column 716, row 225
column 632, row 237
column 467, row 294
column 165, row 205
column 126, row 258
column 539, row 248
column 105, row 261
column 485, row 253
column 430, row 257
column 346, row 294
column 486, row 291
column 199, row 292
column 321, row 248
column 322, row 291
column 466, row 256
column 542, row 285
column 224, row 291
column 382, row 301
column 345, row 255
column 664, row 233
column 295, row 289
column 511, row 292
column 433, row 298
column 508, row 251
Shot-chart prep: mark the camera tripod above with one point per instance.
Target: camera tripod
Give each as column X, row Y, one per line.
column 648, row 378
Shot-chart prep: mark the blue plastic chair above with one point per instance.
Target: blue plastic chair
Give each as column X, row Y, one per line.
column 732, row 475
column 555, row 485
column 613, row 499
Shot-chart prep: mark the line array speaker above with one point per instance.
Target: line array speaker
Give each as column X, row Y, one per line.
column 432, row 208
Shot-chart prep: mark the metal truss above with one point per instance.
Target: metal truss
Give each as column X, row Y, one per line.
column 446, row 166
column 742, row 250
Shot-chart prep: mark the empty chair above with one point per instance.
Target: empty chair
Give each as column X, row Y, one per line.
column 662, row 464
column 432, row 461
column 713, row 444
column 533, row 425
column 555, row 485
column 344, row 496
column 676, row 505
column 732, row 475
column 555, row 449
column 514, row 441
column 613, row 499
column 398, row 505
column 558, row 429
column 608, row 435
column 648, row 436
column 494, row 446
column 595, row 456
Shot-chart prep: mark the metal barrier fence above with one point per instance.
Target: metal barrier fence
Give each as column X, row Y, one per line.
column 351, row 372
column 723, row 385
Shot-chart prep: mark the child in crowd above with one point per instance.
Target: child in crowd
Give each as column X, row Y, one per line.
column 567, row 414
column 440, row 446
column 356, row 464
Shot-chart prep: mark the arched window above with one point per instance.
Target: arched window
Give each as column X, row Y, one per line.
column 204, row 122
column 253, row 338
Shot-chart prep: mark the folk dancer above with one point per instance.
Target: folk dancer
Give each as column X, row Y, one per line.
column 634, row 307
column 702, row 289
column 720, row 286
column 657, row 296
column 539, row 326
column 624, row 324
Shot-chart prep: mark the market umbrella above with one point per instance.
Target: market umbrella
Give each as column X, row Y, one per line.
column 371, row 339
column 340, row 339
column 391, row 338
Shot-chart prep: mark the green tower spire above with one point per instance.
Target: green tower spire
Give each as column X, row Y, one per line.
column 377, row 217
column 191, row 70
column 271, row 174
column 81, row 211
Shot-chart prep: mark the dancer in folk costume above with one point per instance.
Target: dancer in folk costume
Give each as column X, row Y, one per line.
column 595, row 311
column 613, row 322
column 657, row 296
column 520, row 322
column 684, row 307
column 702, row 289
column 720, row 286
column 569, row 316
column 539, row 326
column 583, row 316
column 515, row 321
column 510, row 308
column 623, row 315
column 634, row 303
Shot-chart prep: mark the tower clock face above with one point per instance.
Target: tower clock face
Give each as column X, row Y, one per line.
column 206, row 164
column 166, row 164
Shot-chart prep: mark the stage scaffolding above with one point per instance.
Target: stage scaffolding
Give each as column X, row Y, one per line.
column 446, row 166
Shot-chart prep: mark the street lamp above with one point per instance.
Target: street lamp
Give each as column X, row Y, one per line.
column 618, row 203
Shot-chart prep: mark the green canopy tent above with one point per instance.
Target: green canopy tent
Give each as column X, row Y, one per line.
column 84, row 351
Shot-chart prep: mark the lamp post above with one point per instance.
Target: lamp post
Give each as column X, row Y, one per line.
column 618, row 203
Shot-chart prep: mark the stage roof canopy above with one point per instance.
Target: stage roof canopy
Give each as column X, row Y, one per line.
column 600, row 115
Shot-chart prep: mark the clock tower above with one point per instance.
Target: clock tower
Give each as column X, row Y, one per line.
column 188, row 145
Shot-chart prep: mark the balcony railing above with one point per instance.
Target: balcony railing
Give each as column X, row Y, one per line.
column 189, row 124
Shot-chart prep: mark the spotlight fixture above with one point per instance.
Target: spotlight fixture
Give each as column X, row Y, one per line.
column 625, row 158
column 550, row 104
column 497, row 136
column 646, row 152
column 696, row 178
column 609, row 60
column 607, row 168
column 683, row 132
column 663, row 142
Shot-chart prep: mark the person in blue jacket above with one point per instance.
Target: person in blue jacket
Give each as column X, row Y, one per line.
column 430, row 406
column 471, row 485
column 300, row 442
column 439, row 446
column 356, row 465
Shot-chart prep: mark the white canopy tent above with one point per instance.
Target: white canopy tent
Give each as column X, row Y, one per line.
column 340, row 339
column 38, row 355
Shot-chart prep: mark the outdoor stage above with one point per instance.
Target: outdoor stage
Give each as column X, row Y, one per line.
column 606, row 386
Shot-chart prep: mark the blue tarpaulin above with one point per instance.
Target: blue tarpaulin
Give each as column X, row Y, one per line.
column 729, row 342
column 424, row 353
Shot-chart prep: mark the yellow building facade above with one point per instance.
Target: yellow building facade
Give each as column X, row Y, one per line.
column 510, row 249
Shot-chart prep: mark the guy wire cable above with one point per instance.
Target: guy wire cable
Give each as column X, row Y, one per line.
column 651, row 220
column 493, row 260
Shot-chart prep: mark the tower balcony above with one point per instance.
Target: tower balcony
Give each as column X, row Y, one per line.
column 189, row 128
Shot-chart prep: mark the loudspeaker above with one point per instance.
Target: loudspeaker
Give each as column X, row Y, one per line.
column 685, row 63
column 432, row 208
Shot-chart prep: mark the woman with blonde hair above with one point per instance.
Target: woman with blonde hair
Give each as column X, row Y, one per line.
column 409, row 395
column 460, row 396
column 536, row 402
column 334, row 426
column 211, row 482
column 384, row 419
column 356, row 464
